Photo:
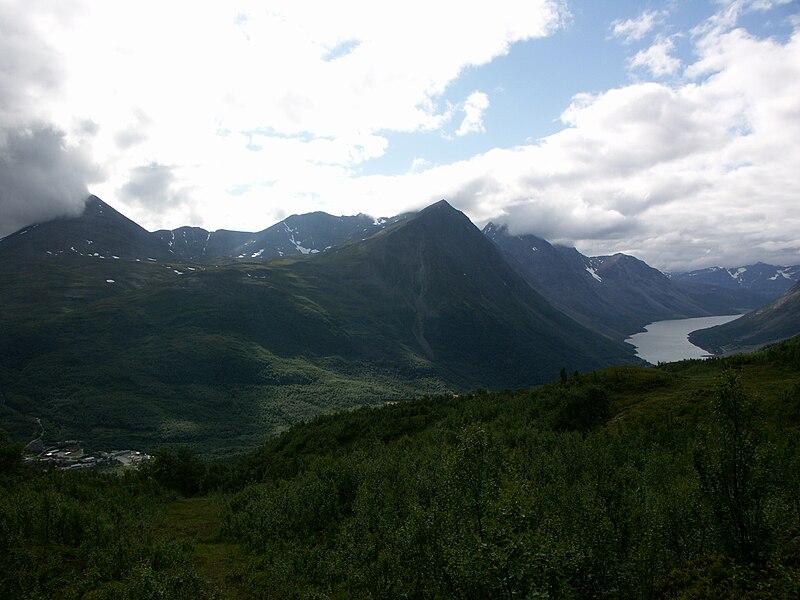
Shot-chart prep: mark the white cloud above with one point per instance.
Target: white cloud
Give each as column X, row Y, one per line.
column 703, row 169
column 474, row 108
column 657, row 58
column 632, row 30
column 199, row 86
column 261, row 110
column 698, row 172
column 419, row 164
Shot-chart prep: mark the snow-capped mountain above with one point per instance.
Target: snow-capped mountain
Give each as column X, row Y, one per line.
column 768, row 281
column 296, row 235
column 103, row 232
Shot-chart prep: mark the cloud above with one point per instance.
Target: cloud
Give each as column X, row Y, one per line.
column 474, row 108
column 419, row 164
column 323, row 89
column 152, row 187
column 657, row 58
column 135, row 133
column 684, row 174
column 43, row 174
column 30, row 68
column 632, row 30
column 698, row 172
column 42, row 178
column 285, row 110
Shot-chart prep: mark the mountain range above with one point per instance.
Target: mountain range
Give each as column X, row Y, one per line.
column 768, row 281
column 617, row 295
column 298, row 234
column 112, row 332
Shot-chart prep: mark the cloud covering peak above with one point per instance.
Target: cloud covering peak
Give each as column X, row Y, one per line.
column 42, row 175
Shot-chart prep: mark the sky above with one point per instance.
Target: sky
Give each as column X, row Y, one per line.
column 668, row 129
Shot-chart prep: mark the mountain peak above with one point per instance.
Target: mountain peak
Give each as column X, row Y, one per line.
column 441, row 205
column 100, row 231
column 493, row 230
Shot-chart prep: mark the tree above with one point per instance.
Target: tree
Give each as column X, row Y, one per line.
column 734, row 471
column 10, row 455
column 179, row 469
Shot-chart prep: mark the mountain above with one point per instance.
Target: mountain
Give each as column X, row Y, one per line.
column 100, row 232
column 617, row 295
column 192, row 243
column 296, row 235
column 777, row 321
column 768, row 281
column 135, row 353
column 464, row 305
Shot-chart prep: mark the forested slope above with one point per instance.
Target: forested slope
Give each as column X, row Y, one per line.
column 673, row 482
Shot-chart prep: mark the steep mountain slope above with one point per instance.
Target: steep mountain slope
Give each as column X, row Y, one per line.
column 774, row 322
column 768, row 281
column 643, row 290
column 100, row 231
column 617, row 295
column 464, row 304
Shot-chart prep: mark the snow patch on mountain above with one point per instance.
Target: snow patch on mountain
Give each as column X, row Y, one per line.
column 592, row 272
column 781, row 273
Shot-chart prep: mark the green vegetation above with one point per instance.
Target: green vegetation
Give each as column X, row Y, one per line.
column 223, row 357
column 218, row 358
column 778, row 320
column 681, row 481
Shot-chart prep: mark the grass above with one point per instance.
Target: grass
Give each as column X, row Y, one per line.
column 197, row 520
column 683, row 390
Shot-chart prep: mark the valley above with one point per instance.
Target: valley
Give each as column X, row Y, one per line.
column 426, row 411
column 400, row 301
column 119, row 337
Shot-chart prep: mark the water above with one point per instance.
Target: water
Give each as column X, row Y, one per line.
column 667, row 341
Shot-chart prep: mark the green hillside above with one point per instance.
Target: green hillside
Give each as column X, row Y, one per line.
column 673, row 482
column 778, row 320
column 221, row 356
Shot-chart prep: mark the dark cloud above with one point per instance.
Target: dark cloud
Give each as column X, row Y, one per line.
column 41, row 178
column 566, row 224
column 151, row 186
